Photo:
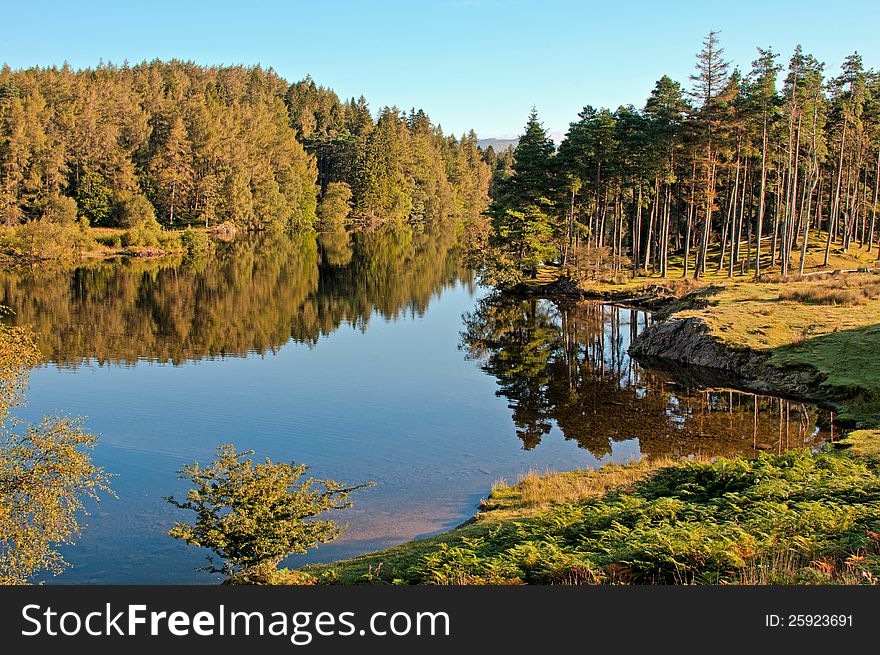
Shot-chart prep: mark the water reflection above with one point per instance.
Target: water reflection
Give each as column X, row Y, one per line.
column 568, row 365
column 251, row 295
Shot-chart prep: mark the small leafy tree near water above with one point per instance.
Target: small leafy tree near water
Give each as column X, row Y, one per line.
column 253, row 515
column 46, row 473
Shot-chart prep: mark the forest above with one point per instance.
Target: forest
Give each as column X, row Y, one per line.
column 737, row 172
column 178, row 144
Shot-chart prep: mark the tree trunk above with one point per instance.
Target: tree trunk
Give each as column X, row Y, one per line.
column 637, row 233
column 832, row 217
column 874, row 204
column 690, row 221
column 762, row 202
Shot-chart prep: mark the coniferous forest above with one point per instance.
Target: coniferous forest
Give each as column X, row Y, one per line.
column 187, row 144
column 738, row 168
column 735, row 169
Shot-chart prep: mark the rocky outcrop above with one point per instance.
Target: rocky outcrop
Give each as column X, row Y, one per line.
column 678, row 344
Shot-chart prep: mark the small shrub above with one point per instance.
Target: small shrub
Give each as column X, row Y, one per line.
column 135, row 211
column 254, row 515
column 61, row 209
column 142, row 236
column 195, row 242
column 148, row 234
column 46, row 239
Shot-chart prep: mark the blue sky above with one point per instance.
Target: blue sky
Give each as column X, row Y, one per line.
column 477, row 64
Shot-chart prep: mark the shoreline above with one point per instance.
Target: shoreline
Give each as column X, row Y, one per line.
column 672, row 342
column 686, row 346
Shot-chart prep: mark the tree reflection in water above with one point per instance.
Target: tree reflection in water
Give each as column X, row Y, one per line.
column 251, row 295
column 567, row 364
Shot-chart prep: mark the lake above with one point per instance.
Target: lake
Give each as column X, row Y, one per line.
column 371, row 357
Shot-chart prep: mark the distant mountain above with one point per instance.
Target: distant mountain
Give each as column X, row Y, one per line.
column 503, row 144
column 497, row 144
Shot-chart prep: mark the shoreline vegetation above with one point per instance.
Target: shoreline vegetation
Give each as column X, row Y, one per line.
column 799, row 338
column 793, row 518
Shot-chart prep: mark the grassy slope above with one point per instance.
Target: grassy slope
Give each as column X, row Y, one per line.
column 839, row 341
column 815, row 261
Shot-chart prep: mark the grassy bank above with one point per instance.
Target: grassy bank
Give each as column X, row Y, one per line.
column 826, row 322
column 42, row 241
column 778, row 519
column 624, row 283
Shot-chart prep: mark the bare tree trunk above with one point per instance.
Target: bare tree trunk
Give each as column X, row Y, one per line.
column 874, row 204
column 637, row 233
column 651, row 218
column 614, row 227
column 690, row 221
column 664, row 234
column 620, row 226
column 791, row 212
column 814, row 180
column 729, row 224
column 568, row 239
column 700, row 266
column 777, row 211
column 762, row 201
column 805, row 236
column 832, row 217
column 847, row 216
column 746, row 185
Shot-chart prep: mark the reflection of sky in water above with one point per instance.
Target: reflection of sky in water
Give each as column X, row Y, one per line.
column 397, row 404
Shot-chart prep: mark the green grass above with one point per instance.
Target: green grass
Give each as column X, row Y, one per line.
column 798, row 518
column 799, row 327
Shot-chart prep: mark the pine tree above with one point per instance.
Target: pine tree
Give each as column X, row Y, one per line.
column 709, row 83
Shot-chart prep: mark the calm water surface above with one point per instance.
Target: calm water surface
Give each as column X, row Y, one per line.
column 370, row 357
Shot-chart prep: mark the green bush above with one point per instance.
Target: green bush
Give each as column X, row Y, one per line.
column 135, row 211
column 144, row 235
column 195, row 242
column 60, row 209
column 253, row 515
column 47, row 239
column 147, row 234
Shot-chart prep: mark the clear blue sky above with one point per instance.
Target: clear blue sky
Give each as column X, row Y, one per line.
column 477, row 64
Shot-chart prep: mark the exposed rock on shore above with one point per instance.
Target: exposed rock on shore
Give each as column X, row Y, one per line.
column 686, row 342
